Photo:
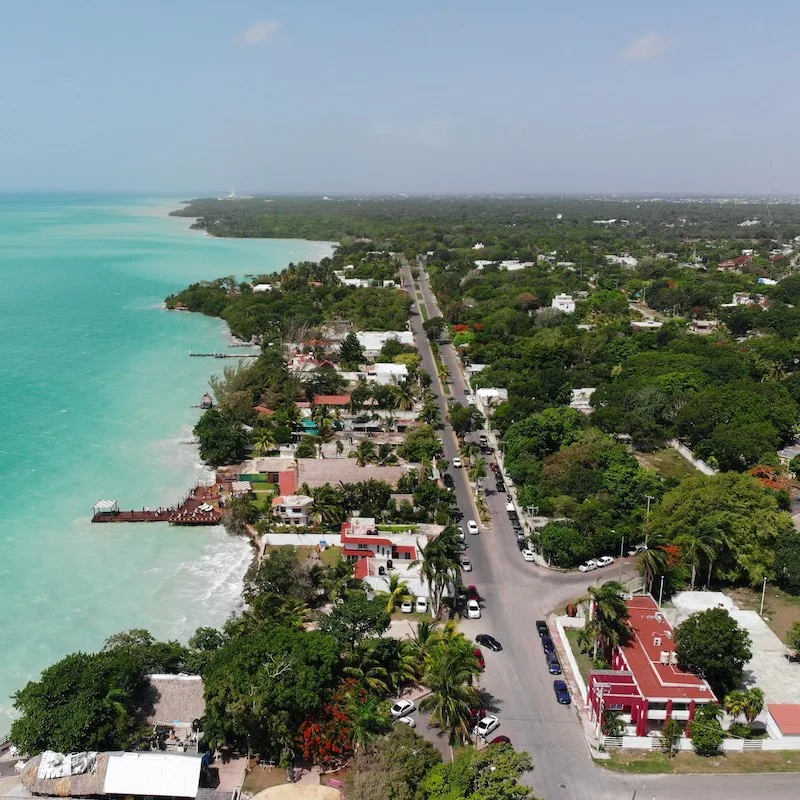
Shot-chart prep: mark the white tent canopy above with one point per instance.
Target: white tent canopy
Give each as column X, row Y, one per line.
column 241, row 487
column 154, row 774
column 105, row 505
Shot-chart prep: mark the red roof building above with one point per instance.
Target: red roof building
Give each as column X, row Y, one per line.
column 783, row 719
column 332, row 400
column 645, row 681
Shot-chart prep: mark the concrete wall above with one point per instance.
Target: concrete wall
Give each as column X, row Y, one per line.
column 728, row 746
column 571, row 622
column 697, row 463
column 299, row 539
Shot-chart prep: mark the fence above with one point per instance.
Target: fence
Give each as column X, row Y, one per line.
column 696, row 462
column 728, row 745
column 302, row 539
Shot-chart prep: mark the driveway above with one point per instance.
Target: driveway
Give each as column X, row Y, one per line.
column 516, row 683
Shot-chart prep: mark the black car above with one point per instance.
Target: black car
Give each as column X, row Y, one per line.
column 516, row 525
column 489, row 641
column 447, row 480
column 553, row 665
column 541, row 628
column 501, row 487
column 562, row 692
column 547, row 644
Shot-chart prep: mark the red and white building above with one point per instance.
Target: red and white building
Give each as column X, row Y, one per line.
column 377, row 554
column 645, row 682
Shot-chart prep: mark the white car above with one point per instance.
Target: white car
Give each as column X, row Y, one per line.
column 527, row 555
column 466, row 564
column 473, row 609
column 422, row 605
column 486, row 725
column 457, row 462
column 407, row 721
column 640, row 548
column 461, row 536
column 402, row 708
column 472, row 527
column 604, row 561
column 587, row 567
column 407, row 606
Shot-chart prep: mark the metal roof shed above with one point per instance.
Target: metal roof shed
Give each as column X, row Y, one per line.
column 153, row 774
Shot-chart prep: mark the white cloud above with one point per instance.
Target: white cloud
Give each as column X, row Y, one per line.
column 259, row 33
column 643, row 48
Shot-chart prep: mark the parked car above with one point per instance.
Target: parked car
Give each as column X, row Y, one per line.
column 479, row 657
column 640, row 548
column 588, row 566
column 407, row 721
column 447, row 480
column 473, row 609
column 471, row 401
column 500, row 486
column 456, row 462
column 528, row 555
column 466, row 564
column 553, row 664
column 472, row 592
column 489, row 641
column 466, row 390
column 422, row 605
column 500, row 740
column 407, row 606
column 476, row 715
column 521, row 537
column 510, row 508
column 562, row 692
column 488, row 724
column 461, row 535
column 472, row 527
column 541, row 628
column 547, row 644
column 402, row 708
column 483, row 440
column 604, row 561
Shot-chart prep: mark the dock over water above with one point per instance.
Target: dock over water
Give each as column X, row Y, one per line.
column 201, row 506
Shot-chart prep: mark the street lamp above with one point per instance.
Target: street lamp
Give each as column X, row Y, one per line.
column 621, row 551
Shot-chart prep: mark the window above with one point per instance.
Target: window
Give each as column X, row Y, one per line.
column 362, row 547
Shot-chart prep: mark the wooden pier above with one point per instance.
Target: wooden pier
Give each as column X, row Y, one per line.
column 192, row 510
column 224, row 355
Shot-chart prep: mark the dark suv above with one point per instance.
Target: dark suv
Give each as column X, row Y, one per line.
column 541, row 628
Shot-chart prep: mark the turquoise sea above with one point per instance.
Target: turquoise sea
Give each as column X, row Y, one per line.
column 96, row 398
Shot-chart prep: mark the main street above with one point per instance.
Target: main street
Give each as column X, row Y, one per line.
column 516, row 683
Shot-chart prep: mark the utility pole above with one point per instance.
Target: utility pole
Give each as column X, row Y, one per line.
column 661, row 591
column 763, row 593
column 647, row 517
column 621, row 550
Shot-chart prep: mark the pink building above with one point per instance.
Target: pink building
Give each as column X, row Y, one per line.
column 645, row 682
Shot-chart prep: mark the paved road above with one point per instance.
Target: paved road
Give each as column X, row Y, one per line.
column 514, row 594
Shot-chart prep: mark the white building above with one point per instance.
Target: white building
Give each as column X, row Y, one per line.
column 481, row 263
column 489, row 398
column 262, row 287
column 478, row 246
column 646, row 324
column 373, row 341
column 293, row 509
column 582, row 399
column 564, row 302
column 625, row 260
column 385, row 374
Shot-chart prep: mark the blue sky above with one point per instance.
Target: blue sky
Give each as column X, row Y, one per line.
column 381, row 96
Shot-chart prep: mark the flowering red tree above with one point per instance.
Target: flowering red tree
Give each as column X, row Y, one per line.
column 460, row 328
column 327, row 740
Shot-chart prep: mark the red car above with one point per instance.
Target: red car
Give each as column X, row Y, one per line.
column 477, row 715
column 472, row 593
column 479, row 657
column 500, row 740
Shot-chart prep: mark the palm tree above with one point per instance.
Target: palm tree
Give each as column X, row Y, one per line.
column 735, row 703
column 422, row 643
column 441, row 565
column 698, row 544
column 468, row 450
column 610, row 614
column 443, row 373
column 368, row 720
column 652, row 562
column 448, row 676
column 405, row 396
column 478, row 469
column 386, row 454
column 263, row 441
column 397, row 590
column 325, row 434
column 327, row 507
column 365, row 452
column 754, row 704
column 339, row 580
column 364, row 665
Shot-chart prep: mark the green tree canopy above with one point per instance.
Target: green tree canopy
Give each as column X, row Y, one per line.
column 354, row 619
column 713, row 645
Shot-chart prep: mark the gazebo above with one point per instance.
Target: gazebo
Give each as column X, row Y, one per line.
column 105, row 507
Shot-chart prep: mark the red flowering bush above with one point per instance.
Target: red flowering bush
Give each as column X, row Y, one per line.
column 327, row 740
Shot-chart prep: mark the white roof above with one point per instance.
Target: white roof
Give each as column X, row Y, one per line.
column 100, row 505
column 158, row 774
column 241, row 486
column 388, row 367
column 374, row 340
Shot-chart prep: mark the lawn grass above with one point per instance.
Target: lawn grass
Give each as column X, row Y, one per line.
column 652, row 762
column 667, row 462
column 582, row 659
column 328, row 557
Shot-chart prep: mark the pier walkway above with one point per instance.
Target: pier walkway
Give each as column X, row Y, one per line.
column 201, row 506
